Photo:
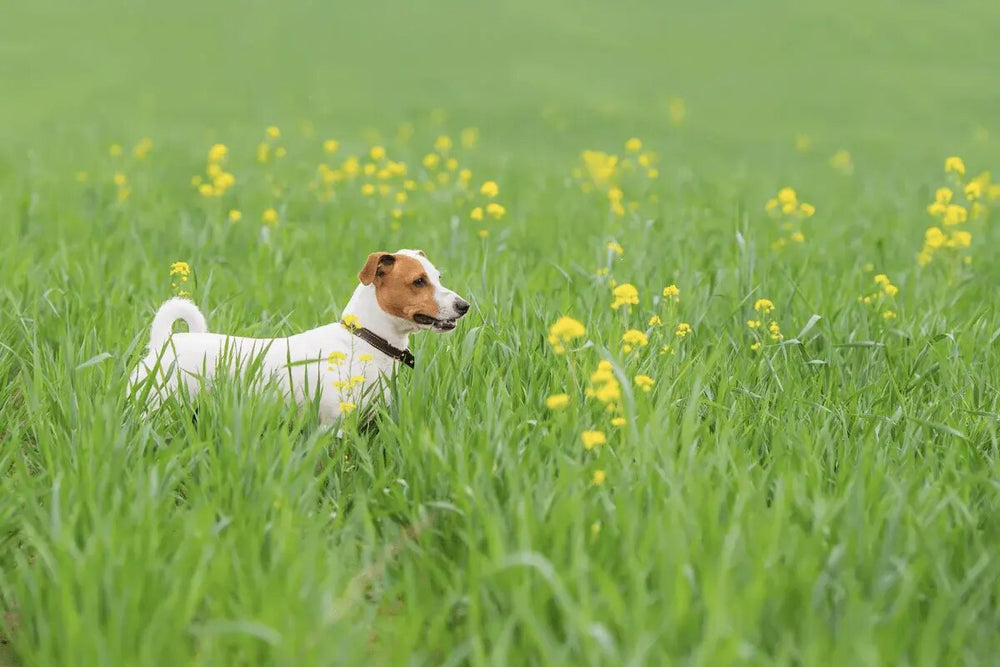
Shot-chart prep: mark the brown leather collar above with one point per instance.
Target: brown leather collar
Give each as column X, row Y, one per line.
column 381, row 344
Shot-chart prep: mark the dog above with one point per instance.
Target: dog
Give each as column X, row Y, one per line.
column 343, row 364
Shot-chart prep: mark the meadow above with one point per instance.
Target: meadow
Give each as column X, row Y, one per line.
column 728, row 392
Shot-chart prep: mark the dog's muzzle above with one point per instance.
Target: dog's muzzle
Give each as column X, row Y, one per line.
column 434, row 323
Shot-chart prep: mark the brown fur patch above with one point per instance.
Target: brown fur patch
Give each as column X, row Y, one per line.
column 395, row 291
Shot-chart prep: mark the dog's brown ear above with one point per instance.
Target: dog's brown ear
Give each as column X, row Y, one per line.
column 421, row 253
column 377, row 265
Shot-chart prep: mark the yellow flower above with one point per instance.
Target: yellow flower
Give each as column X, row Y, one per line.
column 798, row 237
column 431, row 160
column 464, row 176
column 182, row 269
column 889, row 315
column 270, row 216
column 671, row 292
column 496, row 210
column 120, row 179
column 217, row 153
column 142, row 149
column 477, row 213
column 625, row 295
column 235, row 216
column 451, row 164
column 483, row 233
column 891, row 290
column 377, row 153
column 806, row 210
column 592, row 439
column 409, row 184
column 787, row 195
column 763, row 306
column 115, row 150
column 280, row 152
column 331, row 146
column 633, row 145
column 954, row 164
column 755, row 346
column 955, row 214
column 943, row 196
column 683, row 329
column 273, row 132
column 961, row 239
column 469, row 137
column 618, row 421
column 934, row 238
column 654, row 320
column 368, row 189
column 557, row 401
column 564, row 330
column 369, row 169
column 365, row 357
column 490, row 189
column 634, row 337
column 347, row 408
column 206, row 190
column 881, row 279
column 599, row 477
column 644, row 382
column 616, row 248
column 753, row 324
column 442, row 144
column 775, row 331
column 653, row 174
column 841, row 161
column 351, row 322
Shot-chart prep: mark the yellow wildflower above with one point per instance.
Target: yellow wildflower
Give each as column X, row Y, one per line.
column 351, row 322
column 890, row 290
column 490, row 189
column 755, row 346
column 654, row 321
column 368, row 189
column 217, row 153
column 683, row 329
column 644, row 382
column 599, row 477
column 365, row 357
column 182, row 269
column 270, row 216
column 273, row 132
column 633, row 145
column 495, row 210
column 618, row 421
column 331, row 146
column 469, row 137
column 477, row 213
column 889, row 315
column 841, row 161
column 775, row 331
column 954, row 164
column 671, row 292
column 235, row 215
column 625, row 295
column 753, row 324
column 564, row 330
column 763, row 306
column 592, row 439
column 442, row 144
column 431, row 160
column 557, row 401
column 347, row 408
column 115, row 150
column 955, row 214
column 616, row 248
column 633, row 338
column 798, row 237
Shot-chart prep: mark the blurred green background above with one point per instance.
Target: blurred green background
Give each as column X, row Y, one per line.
column 897, row 80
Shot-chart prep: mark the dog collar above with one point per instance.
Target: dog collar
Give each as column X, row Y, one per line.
column 381, row 344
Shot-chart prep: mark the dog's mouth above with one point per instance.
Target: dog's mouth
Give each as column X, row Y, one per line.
column 434, row 323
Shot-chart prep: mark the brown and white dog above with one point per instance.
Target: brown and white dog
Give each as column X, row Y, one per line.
column 400, row 293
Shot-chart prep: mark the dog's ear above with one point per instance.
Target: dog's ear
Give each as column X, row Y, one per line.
column 421, row 253
column 377, row 265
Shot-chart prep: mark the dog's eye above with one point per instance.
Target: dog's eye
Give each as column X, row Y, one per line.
column 419, row 282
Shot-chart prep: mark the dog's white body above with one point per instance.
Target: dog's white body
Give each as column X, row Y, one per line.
column 329, row 363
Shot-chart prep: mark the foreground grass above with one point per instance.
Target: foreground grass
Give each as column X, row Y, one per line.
column 829, row 498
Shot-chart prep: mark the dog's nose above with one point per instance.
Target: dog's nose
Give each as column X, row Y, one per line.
column 462, row 306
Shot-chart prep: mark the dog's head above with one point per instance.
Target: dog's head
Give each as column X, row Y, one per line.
column 408, row 286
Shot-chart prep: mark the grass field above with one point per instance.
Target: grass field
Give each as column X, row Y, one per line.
column 806, row 471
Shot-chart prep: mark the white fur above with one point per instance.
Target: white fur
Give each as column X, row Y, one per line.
column 299, row 364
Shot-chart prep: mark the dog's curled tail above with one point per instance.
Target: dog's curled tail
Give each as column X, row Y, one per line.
column 172, row 310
